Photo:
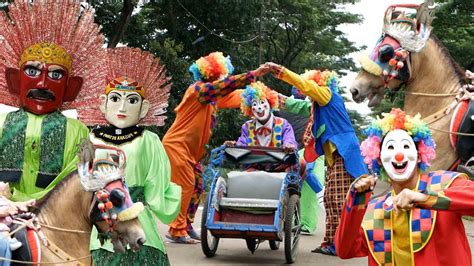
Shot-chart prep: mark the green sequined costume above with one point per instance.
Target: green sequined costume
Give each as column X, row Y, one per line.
column 146, row 256
column 37, row 151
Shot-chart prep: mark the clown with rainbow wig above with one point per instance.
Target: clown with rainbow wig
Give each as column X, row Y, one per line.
column 329, row 132
column 264, row 129
column 185, row 141
column 419, row 221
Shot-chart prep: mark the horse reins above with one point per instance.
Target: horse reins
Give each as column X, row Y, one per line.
column 396, row 63
column 34, row 223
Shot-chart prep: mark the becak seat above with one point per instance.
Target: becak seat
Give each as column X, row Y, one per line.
column 253, row 192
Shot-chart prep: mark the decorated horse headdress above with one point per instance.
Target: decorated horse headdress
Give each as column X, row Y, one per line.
column 101, row 169
column 257, row 91
column 397, row 119
column 49, row 50
column 131, row 69
column 406, row 29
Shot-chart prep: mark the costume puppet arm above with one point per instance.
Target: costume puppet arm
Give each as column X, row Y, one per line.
column 320, row 94
column 231, row 100
column 296, row 106
column 458, row 197
column 162, row 196
column 210, row 92
column 350, row 240
column 244, row 134
column 289, row 135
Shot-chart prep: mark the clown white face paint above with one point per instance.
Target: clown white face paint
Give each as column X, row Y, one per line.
column 261, row 110
column 123, row 108
column 399, row 155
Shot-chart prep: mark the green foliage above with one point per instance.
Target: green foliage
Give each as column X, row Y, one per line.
column 454, row 27
column 299, row 34
column 392, row 99
column 227, row 128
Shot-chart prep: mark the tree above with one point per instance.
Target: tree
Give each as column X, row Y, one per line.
column 299, row 34
column 454, row 27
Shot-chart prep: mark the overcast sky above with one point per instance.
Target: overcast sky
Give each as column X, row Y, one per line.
column 366, row 34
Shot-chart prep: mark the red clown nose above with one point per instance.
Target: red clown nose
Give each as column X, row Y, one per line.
column 399, row 157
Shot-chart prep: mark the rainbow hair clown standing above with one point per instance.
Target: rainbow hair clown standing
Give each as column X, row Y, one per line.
column 257, row 91
column 211, row 67
column 324, row 78
column 397, row 119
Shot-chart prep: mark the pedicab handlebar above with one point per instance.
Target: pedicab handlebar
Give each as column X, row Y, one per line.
column 239, row 155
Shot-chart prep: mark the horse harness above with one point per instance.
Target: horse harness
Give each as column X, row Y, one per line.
column 29, row 221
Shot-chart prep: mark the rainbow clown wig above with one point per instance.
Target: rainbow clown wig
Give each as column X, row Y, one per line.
column 257, row 91
column 322, row 78
column 211, row 67
column 397, row 119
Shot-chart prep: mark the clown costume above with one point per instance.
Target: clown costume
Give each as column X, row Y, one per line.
column 187, row 137
column 329, row 132
column 418, row 222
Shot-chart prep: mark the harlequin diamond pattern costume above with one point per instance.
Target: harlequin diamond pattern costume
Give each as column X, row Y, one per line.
column 50, row 62
column 186, row 139
column 432, row 232
column 136, row 78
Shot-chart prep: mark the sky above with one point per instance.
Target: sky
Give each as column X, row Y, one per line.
column 364, row 34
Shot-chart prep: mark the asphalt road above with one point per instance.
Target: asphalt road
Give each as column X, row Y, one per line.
column 235, row 252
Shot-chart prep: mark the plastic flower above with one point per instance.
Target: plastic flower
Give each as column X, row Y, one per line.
column 371, row 149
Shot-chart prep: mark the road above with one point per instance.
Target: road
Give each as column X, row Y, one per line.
column 235, row 252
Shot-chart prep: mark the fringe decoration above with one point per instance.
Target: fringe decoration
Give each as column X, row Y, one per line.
column 142, row 67
column 63, row 22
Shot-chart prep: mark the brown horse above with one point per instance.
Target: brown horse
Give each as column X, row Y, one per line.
column 434, row 81
column 407, row 55
column 68, row 213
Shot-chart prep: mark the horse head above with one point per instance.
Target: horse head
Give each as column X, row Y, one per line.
column 406, row 30
column 102, row 171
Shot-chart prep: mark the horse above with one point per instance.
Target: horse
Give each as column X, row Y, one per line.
column 66, row 216
column 432, row 82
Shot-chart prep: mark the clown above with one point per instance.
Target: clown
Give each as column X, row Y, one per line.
column 186, row 139
column 419, row 221
column 329, row 132
column 312, row 190
column 134, row 98
column 43, row 74
column 265, row 129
